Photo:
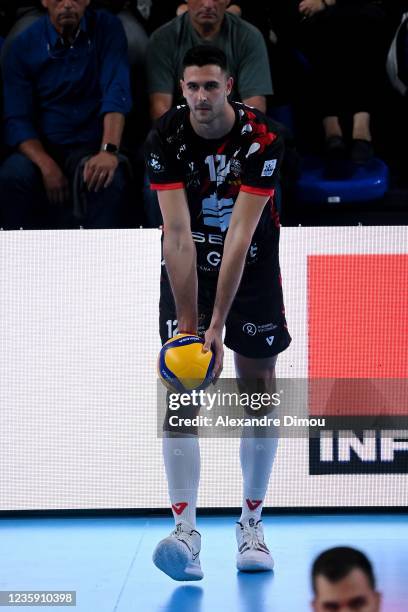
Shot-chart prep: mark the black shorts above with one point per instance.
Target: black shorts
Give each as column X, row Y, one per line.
column 256, row 325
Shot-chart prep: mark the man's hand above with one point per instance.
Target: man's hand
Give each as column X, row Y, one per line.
column 55, row 183
column 100, row 170
column 213, row 342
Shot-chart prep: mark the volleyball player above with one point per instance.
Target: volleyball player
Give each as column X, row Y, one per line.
column 215, row 165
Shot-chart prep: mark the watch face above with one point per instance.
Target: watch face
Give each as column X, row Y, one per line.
column 110, row 148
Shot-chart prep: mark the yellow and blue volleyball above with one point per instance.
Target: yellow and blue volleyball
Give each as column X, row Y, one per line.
column 183, row 366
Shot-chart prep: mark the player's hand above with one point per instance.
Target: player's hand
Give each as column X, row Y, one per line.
column 213, row 341
column 55, row 183
column 308, row 8
column 99, row 170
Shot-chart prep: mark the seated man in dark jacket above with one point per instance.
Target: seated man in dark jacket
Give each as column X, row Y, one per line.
column 66, row 94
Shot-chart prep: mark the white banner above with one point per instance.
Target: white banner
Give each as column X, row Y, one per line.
column 78, row 348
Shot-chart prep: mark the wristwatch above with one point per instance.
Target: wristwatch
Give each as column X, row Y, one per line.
column 109, row 147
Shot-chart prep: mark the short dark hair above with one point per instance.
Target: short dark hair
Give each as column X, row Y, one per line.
column 336, row 563
column 205, row 55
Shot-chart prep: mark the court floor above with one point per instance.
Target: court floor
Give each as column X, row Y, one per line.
column 107, row 561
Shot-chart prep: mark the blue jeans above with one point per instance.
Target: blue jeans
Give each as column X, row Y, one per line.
column 24, row 203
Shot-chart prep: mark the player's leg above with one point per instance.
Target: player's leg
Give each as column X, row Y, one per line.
column 256, row 331
column 178, row 554
column 181, row 450
column 257, row 452
column 258, row 446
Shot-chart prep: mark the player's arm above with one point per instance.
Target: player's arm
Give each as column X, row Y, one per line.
column 246, row 214
column 180, row 256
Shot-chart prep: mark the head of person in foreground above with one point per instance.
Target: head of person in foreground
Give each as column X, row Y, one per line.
column 343, row 581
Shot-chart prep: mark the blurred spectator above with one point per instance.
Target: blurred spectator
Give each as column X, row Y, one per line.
column 234, row 8
column 66, row 94
column 344, row 42
column 207, row 21
column 267, row 17
column 343, row 581
column 150, row 14
column 153, row 13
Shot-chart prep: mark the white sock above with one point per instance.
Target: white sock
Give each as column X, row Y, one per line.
column 182, row 462
column 256, row 455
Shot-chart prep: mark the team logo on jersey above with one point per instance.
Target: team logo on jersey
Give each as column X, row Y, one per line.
column 269, row 167
column 155, row 163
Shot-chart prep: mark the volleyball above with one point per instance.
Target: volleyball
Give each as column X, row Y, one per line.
column 183, row 366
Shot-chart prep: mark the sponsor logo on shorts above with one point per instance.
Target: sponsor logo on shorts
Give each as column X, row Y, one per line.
column 262, row 329
column 270, row 340
column 269, row 167
column 250, row 329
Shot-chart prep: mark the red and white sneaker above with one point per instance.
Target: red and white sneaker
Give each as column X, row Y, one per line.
column 253, row 554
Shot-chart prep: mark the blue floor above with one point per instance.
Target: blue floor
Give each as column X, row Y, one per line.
column 107, row 561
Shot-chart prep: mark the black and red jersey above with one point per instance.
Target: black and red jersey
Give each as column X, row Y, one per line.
column 213, row 172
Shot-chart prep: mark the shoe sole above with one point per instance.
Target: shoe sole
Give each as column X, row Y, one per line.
column 172, row 558
column 254, row 565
